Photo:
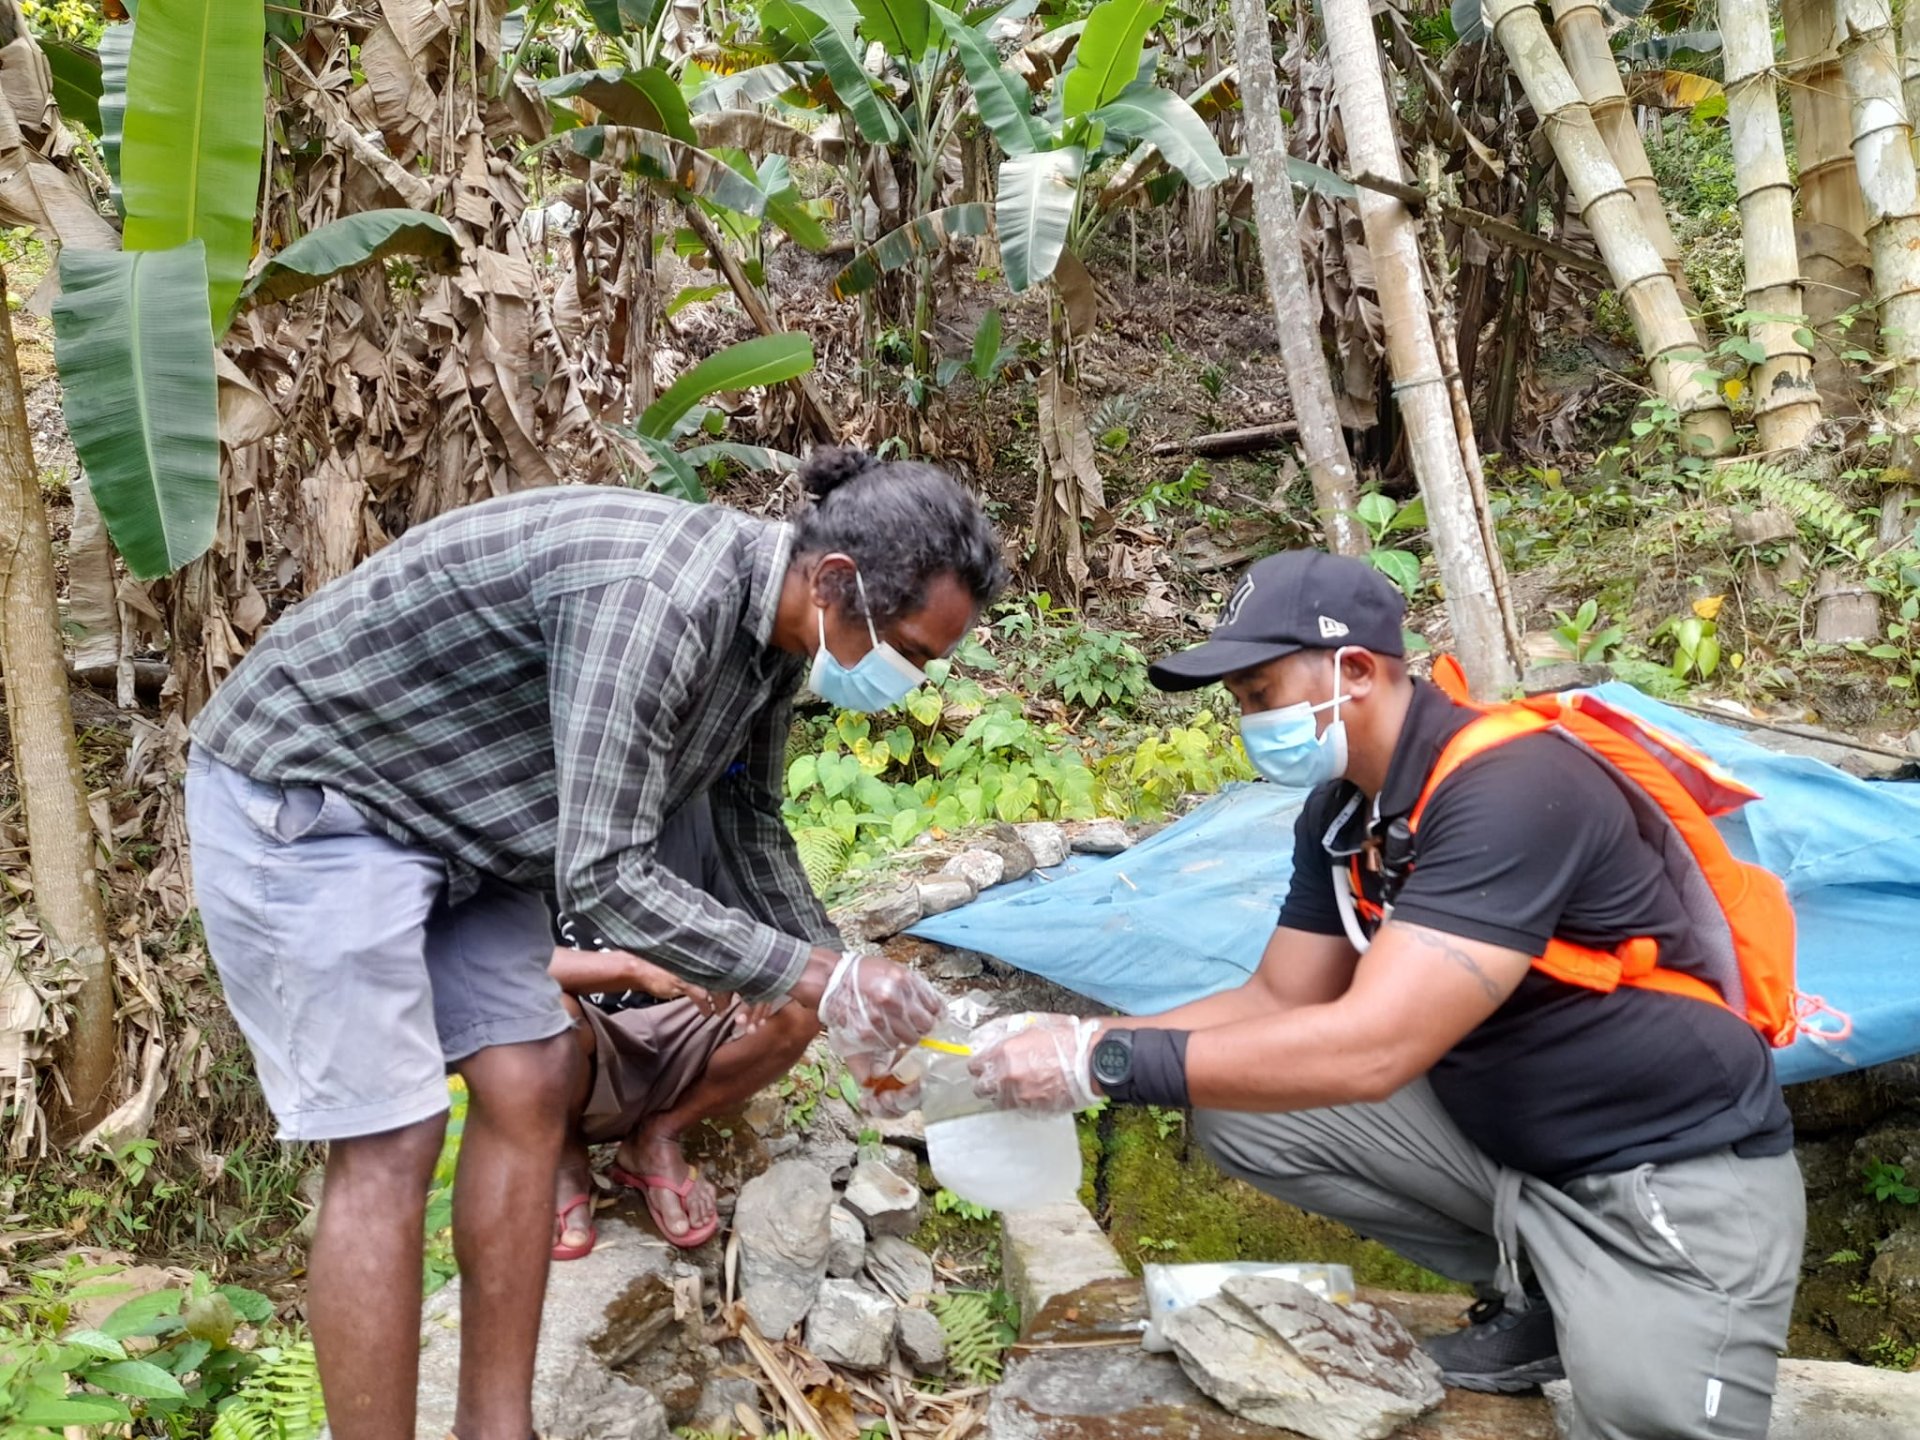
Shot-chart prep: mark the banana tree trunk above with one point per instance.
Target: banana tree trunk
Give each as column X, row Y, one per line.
column 1606, row 205
column 1786, row 407
column 1420, row 387
column 1582, row 31
column 46, row 761
column 1295, row 306
column 1822, row 125
column 1883, row 158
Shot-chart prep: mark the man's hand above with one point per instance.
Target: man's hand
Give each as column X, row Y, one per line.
column 1037, row 1063
column 872, row 1006
column 650, row 979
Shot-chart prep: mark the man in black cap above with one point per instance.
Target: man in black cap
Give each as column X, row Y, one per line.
column 1611, row 1170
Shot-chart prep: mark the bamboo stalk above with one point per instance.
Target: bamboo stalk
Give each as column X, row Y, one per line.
column 1582, row 32
column 1883, row 159
column 1419, row 385
column 1603, row 201
column 1296, row 308
column 1786, row 407
column 1822, row 129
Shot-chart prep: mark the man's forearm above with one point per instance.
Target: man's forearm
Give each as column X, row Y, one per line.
column 1306, row 1058
column 1247, row 1001
column 591, row 972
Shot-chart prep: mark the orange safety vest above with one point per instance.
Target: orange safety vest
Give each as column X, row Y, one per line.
column 1739, row 912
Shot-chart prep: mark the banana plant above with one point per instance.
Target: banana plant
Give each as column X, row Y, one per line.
column 680, row 412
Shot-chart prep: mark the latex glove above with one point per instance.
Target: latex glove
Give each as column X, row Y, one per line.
column 1037, row 1063
column 874, row 1008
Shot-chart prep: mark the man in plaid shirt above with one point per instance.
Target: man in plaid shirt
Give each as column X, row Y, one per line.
column 500, row 706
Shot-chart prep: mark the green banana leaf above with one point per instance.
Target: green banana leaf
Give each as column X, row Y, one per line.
column 116, row 44
column 671, row 474
column 795, row 216
column 661, row 157
column 1309, row 176
column 646, row 98
column 615, row 17
column 195, row 127
column 1033, row 211
column 766, row 360
column 898, row 247
column 76, row 81
column 1108, row 57
column 347, row 244
column 1143, row 111
column 905, row 27
column 133, row 340
column 827, row 31
column 754, row 457
column 759, row 85
column 1006, row 104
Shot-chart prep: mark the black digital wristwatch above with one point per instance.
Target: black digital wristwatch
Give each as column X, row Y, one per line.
column 1113, row 1062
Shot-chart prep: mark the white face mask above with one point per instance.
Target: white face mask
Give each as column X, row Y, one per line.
column 1287, row 747
column 879, row 680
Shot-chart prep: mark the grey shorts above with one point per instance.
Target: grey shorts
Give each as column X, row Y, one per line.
column 355, row 982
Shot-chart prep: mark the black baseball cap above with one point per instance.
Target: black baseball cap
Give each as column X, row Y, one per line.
column 1297, row 600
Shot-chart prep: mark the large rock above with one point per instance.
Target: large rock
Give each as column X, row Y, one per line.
column 847, row 1249
column 881, row 916
column 1273, row 1352
column 923, row 1344
column 1045, row 841
column 576, row 1392
column 898, row 1268
column 942, row 893
column 850, row 1325
column 977, row 867
column 885, row 1202
column 1896, row 1270
column 785, row 1228
column 1015, row 857
column 1101, row 837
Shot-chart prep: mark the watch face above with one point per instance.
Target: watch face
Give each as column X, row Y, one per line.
column 1112, row 1061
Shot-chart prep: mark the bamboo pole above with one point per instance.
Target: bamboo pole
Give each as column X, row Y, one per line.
column 46, row 759
column 1786, row 407
column 1296, row 308
column 1822, row 129
column 1582, row 32
column 1419, row 385
column 1883, row 159
column 1601, row 198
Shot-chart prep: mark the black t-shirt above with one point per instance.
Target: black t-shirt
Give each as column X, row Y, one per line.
column 1531, row 841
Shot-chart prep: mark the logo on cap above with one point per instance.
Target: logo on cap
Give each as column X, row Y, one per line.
column 1330, row 628
column 1237, row 601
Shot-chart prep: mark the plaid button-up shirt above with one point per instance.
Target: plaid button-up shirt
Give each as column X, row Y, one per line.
column 529, row 685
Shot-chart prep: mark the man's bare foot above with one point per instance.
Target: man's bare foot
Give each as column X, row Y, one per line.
column 653, row 1153
column 573, row 1179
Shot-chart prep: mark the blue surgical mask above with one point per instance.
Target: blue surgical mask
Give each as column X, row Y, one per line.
column 882, row 678
column 1287, row 747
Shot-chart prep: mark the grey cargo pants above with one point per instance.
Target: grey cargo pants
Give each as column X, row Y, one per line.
column 1670, row 1284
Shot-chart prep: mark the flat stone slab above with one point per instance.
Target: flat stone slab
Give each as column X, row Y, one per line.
column 574, row 1396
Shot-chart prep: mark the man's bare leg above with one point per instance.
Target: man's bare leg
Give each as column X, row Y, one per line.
column 503, row 1226
column 363, row 1282
column 575, row 1176
column 739, row 1070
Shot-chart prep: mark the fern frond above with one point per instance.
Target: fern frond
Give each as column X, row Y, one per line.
column 1810, row 503
column 975, row 1341
column 280, row 1401
column 823, row 853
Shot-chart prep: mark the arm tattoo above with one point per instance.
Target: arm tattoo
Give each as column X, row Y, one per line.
column 1434, row 940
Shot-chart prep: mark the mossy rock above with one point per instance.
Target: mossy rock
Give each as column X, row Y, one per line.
column 1166, row 1201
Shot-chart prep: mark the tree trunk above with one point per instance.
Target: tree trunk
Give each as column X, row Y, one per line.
column 1296, row 307
column 1883, row 158
column 46, row 760
column 1822, row 127
column 1393, row 240
column 1582, row 31
column 1602, row 200
column 1786, row 407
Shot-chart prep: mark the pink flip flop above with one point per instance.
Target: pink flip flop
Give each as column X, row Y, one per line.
column 646, row 1185
column 575, row 1252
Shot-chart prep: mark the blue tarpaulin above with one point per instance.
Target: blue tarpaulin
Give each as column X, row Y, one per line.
column 1188, row 911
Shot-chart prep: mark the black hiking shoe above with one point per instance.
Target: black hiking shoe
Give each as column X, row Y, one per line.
column 1502, row 1351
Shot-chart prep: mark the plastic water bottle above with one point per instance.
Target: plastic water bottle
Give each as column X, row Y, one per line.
column 1002, row 1159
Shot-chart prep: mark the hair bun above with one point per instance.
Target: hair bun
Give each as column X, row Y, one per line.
column 828, row 469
